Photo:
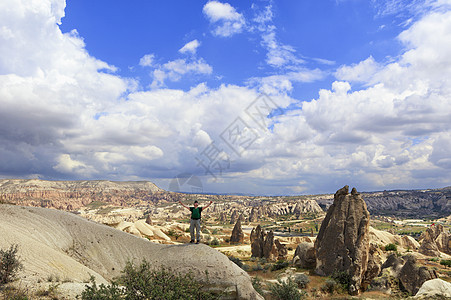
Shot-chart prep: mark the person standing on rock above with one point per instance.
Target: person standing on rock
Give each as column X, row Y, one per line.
column 196, row 211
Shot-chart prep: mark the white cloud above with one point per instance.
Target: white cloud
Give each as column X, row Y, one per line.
column 190, row 47
column 174, row 70
column 275, row 84
column 147, row 60
column 62, row 116
column 361, row 72
column 226, row 19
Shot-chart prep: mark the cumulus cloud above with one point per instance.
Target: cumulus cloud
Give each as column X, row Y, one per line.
column 63, row 116
column 175, row 69
column 224, row 17
column 361, row 72
column 190, row 47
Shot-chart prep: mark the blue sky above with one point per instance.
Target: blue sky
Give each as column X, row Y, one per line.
column 260, row 97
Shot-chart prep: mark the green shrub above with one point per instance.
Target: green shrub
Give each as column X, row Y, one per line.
column 343, row 278
column 445, row 262
column 391, row 247
column 237, row 261
column 285, row 290
column 14, row 293
column 142, row 282
column 10, row 264
column 257, row 284
column 279, row 265
column 102, row 292
column 214, row 242
column 329, row 286
column 257, row 267
column 301, row 280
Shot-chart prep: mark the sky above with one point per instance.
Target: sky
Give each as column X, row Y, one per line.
column 249, row 97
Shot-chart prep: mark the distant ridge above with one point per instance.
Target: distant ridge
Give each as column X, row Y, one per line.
column 71, row 195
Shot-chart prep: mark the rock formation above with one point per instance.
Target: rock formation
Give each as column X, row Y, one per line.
column 237, row 234
column 412, row 277
column 342, row 243
column 262, row 244
column 253, row 216
column 234, row 217
column 149, row 220
column 435, row 240
column 282, row 251
column 304, row 256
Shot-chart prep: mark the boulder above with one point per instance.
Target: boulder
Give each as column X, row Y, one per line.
column 342, row 243
column 435, row 287
column 412, row 277
column 304, row 256
column 237, row 234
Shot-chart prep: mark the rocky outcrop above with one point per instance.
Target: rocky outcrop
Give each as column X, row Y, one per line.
column 262, row 244
column 304, row 256
column 234, row 217
column 342, row 243
column 237, row 234
column 149, row 220
column 412, row 277
column 253, row 217
column 435, row 240
column 401, row 274
column 282, row 251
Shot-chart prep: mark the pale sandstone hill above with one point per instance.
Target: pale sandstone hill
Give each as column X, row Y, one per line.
column 65, row 245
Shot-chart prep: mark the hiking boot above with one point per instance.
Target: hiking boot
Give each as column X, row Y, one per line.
column 192, row 241
column 197, row 242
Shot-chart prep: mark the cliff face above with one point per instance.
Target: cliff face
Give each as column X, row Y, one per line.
column 72, row 195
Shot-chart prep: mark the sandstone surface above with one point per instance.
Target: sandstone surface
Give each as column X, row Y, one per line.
column 64, row 244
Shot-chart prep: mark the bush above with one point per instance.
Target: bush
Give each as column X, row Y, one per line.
column 301, row 280
column 279, row 265
column 285, row 290
column 343, row 278
column 445, row 262
column 237, row 261
column 110, row 292
column 10, row 264
column 257, row 284
column 214, row 242
column 329, row 286
column 141, row 282
column 391, row 247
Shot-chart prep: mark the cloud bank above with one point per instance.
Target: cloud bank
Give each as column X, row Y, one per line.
column 67, row 115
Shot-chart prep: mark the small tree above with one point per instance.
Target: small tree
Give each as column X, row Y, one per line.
column 445, row 262
column 10, row 264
